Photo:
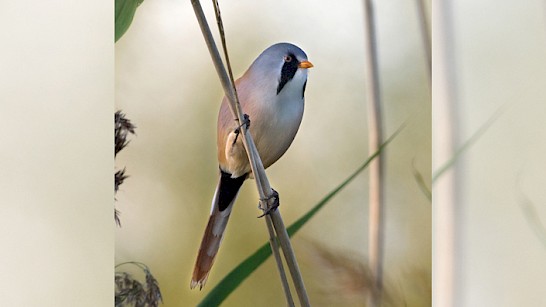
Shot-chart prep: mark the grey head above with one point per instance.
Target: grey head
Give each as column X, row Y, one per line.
column 285, row 63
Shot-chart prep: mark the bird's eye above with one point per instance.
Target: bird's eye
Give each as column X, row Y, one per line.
column 287, row 58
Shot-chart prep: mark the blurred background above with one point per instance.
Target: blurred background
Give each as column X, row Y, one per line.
column 500, row 62
column 56, row 105
column 167, row 85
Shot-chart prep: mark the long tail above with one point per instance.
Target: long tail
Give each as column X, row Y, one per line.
column 224, row 198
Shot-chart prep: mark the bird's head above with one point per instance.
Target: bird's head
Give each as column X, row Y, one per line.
column 284, row 65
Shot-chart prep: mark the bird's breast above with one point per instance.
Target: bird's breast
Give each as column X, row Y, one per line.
column 274, row 122
column 274, row 126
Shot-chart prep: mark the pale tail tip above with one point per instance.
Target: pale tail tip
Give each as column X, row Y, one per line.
column 194, row 283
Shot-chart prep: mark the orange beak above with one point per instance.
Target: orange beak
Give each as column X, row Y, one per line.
column 305, row 64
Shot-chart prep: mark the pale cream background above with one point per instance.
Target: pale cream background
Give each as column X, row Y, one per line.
column 501, row 59
column 56, row 184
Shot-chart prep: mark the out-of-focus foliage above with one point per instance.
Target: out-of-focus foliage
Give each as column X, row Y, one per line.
column 466, row 145
column 122, row 128
column 125, row 11
column 130, row 291
column 533, row 218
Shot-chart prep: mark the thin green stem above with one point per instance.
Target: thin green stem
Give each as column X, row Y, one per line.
column 467, row 144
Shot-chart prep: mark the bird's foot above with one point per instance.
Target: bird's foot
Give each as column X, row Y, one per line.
column 246, row 122
column 273, row 202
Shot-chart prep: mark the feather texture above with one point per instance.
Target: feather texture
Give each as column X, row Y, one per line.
column 271, row 93
column 224, row 198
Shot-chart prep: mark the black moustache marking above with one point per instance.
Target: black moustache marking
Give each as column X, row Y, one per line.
column 287, row 72
column 303, row 91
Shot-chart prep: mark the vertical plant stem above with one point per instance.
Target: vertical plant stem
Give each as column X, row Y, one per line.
column 425, row 35
column 376, row 219
column 446, row 189
column 254, row 160
column 290, row 257
column 278, row 260
column 262, row 183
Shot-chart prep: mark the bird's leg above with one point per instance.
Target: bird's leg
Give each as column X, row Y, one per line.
column 246, row 122
column 270, row 206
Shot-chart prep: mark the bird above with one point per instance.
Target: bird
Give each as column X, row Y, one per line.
column 271, row 93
